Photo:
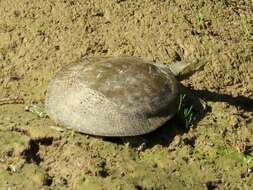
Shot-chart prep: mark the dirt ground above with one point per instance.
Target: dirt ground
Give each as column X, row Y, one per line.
column 39, row 37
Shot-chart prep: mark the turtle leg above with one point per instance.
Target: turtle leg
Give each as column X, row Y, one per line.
column 39, row 110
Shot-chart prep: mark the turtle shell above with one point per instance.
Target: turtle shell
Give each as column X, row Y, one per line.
column 115, row 96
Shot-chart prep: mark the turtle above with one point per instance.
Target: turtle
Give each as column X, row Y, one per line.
column 119, row 96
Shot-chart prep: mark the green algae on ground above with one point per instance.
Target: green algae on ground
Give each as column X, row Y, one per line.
column 142, row 177
column 231, row 154
column 30, row 177
column 13, row 143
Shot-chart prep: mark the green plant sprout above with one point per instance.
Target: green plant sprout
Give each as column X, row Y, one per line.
column 185, row 112
column 200, row 20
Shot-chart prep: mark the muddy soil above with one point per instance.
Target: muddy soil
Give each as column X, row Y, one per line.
column 39, row 37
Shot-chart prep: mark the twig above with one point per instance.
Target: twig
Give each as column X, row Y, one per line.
column 10, row 100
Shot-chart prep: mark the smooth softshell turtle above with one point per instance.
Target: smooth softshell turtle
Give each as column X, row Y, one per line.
column 114, row 96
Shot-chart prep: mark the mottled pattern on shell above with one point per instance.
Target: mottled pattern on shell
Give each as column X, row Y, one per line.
column 116, row 96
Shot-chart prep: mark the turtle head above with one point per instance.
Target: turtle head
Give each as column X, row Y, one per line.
column 183, row 70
